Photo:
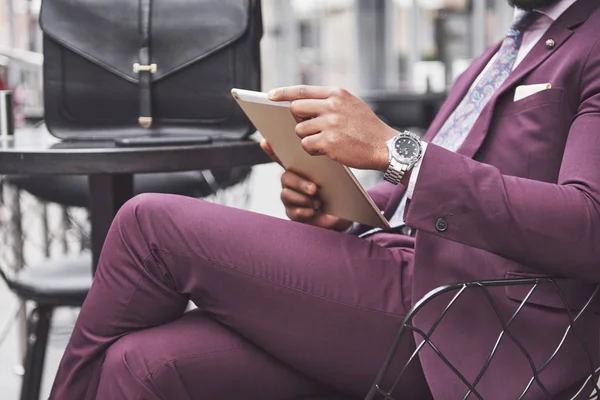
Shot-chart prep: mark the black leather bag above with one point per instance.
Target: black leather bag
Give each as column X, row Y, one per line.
column 121, row 68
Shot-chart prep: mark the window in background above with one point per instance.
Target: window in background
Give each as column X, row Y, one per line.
column 437, row 39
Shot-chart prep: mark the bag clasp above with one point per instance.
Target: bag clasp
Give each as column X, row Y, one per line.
column 152, row 68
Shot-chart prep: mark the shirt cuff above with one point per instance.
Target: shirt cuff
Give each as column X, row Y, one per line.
column 353, row 226
column 415, row 173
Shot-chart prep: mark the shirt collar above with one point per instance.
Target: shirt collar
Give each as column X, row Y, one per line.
column 554, row 11
column 557, row 9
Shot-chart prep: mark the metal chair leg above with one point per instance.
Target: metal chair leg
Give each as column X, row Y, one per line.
column 22, row 337
column 37, row 340
column 15, row 223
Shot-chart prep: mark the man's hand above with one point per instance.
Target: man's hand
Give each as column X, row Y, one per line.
column 302, row 204
column 301, row 199
column 339, row 125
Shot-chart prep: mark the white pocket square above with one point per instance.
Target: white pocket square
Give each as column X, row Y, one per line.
column 527, row 90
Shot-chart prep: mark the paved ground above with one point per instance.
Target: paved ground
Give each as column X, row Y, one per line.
column 264, row 198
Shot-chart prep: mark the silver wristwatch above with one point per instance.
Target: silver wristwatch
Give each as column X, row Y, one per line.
column 404, row 151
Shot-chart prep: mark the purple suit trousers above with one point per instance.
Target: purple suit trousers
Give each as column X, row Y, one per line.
column 285, row 310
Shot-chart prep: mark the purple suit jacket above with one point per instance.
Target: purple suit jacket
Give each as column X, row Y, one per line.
column 521, row 198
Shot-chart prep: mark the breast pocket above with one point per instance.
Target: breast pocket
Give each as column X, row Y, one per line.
column 539, row 99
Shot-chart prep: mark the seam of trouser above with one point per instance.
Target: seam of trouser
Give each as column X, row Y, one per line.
column 189, row 356
column 150, row 255
column 278, row 283
column 137, row 285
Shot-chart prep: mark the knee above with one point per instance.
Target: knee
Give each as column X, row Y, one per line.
column 142, row 210
column 129, row 355
column 133, row 221
column 115, row 359
column 142, row 203
column 122, row 370
column 157, row 211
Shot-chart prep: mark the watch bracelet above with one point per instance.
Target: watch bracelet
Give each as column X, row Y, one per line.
column 394, row 175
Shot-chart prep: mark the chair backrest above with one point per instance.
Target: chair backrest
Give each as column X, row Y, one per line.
column 454, row 293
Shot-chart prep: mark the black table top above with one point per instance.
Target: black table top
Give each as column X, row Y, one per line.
column 35, row 151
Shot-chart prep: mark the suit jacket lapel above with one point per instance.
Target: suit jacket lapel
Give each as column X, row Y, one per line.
column 560, row 31
column 537, row 55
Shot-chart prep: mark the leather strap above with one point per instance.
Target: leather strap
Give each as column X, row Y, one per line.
column 145, row 70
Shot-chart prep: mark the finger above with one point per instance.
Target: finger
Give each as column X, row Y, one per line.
column 309, row 108
column 293, row 181
column 292, row 93
column 266, row 147
column 311, row 127
column 292, row 198
column 298, row 119
column 314, row 145
column 300, row 213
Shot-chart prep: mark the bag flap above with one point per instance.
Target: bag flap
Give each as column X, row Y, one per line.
column 107, row 32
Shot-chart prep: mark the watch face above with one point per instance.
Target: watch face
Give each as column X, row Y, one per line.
column 407, row 149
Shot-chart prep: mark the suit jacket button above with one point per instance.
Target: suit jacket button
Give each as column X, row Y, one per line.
column 441, row 225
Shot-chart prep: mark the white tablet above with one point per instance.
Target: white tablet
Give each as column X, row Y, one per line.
column 341, row 194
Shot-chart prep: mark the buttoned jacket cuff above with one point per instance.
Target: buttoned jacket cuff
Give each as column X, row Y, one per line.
column 427, row 208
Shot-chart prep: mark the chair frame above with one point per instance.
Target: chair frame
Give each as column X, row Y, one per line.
column 460, row 288
column 38, row 330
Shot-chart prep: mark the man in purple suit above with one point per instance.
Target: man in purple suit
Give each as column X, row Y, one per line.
column 506, row 183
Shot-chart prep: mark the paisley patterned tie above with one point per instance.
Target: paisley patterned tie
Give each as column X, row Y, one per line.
column 459, row 124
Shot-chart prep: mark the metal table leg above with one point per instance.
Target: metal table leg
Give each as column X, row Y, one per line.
column 108, row 192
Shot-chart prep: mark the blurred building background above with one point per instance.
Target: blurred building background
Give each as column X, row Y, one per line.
column 374, row 48
column 362, row 45
column 365, row 45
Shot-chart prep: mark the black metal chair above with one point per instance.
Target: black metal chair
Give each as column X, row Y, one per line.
column 530, row 286
column 63, row 282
